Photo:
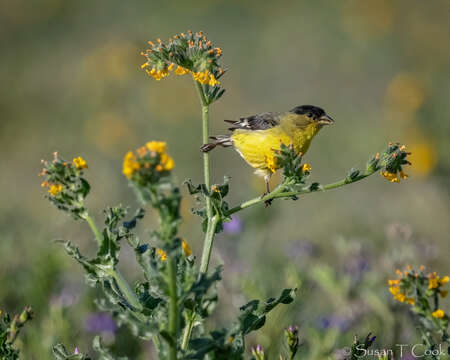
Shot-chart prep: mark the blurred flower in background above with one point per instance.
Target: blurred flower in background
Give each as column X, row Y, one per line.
column 100, row 323
column 233, row 227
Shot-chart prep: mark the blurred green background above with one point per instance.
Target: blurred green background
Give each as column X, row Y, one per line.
column 71, row 81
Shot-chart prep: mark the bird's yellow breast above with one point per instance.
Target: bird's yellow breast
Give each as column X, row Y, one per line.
column 257, row 146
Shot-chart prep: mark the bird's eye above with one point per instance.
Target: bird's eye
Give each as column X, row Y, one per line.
column 309, row 115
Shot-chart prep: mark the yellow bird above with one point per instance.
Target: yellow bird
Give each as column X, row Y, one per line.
column 257, row 137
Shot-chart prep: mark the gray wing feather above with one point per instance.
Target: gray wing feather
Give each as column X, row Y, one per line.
column 261, row 121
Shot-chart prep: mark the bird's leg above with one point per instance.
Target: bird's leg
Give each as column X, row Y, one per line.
column 267, row 181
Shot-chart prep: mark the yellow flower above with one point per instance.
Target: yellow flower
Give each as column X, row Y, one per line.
column 55, row 189
column 410, row 301
column 400, row 297
column 444, row 280
column 212, row 80
column 167, row 162
column 433, row 281
column 162, row 254
column 181, row 70
column 392, row 177
column 394, row 282
column 156, row 146
column 444, row 293
column 438, row 314
column 201, row 77
column 130, row 164
column 186, row 248
column 205, row 77
column 80, row 163
column 158, row 74
column 171, row 66
column 394, row 290
column 271, row 163
column 306, row 167
column 159, row 168
column 45, row 184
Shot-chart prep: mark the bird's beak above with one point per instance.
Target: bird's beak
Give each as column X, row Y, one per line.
column 326, row 120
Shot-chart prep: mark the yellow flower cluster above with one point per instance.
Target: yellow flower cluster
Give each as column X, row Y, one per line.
column 398, row 156
column 435, row 281
column 157, row 74
column 80, row 163
column 205, row 77
column 393, row 177
column 439, row 314
column 181, row 71
column 200, row 58
column 53, row 189
column 132, row 163
column 394, row 288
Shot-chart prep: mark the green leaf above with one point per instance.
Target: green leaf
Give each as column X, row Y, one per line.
column 104, row 353
column 253, row 315
column 60, row 353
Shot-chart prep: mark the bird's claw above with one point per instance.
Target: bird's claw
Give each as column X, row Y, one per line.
column 268, row 202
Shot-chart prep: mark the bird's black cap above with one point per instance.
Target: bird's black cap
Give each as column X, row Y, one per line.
column 310, row 110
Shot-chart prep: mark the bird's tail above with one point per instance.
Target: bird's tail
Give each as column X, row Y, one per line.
column 222, row 140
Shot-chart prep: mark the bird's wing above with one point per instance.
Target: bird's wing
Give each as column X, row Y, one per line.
column 261, row 121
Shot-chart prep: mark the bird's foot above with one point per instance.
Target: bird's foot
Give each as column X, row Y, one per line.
column 268, row 202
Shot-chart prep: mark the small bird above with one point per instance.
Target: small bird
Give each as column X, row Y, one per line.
column 257, row 137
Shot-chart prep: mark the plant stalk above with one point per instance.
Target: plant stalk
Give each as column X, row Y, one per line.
column 173, row 307
column 94, row 228
column 285, row 194
column 187, row 331
column 211, row 221
column 208, row 243
column 211, row 225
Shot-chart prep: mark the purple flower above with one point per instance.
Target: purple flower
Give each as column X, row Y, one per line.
column 100, row 322
column 233, row 227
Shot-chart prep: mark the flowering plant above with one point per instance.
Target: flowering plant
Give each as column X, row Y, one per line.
column 175, row 293
column 422, row 292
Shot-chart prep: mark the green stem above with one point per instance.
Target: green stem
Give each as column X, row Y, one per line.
column 208, row 243
column 205, row 139
column 278, row 193
column 94, row 228
column 188, row 331
column 173, row 307
column 211, row 226
column 115, row 273
column 211, row 221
